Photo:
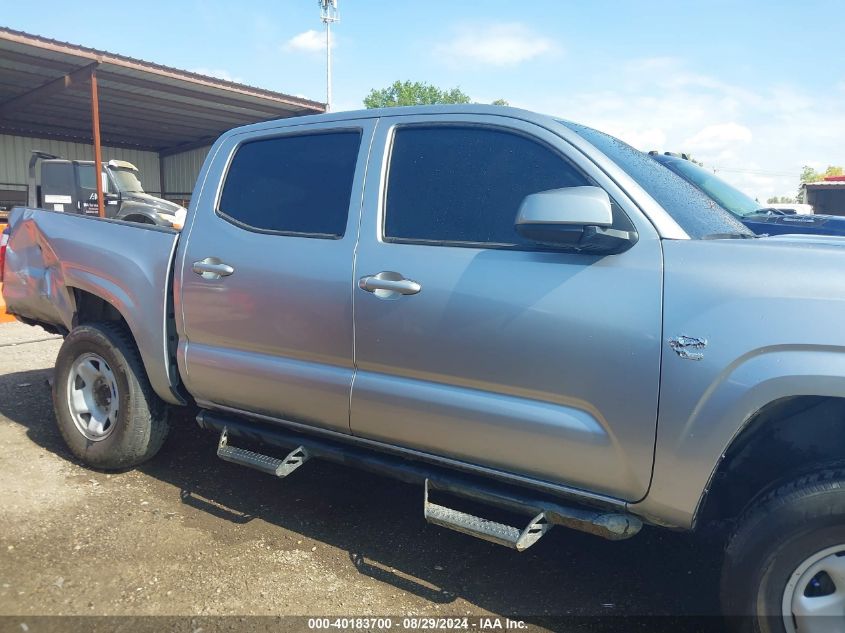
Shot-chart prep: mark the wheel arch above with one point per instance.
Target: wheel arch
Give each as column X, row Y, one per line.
column 137, row 213
column 110, row 303
column 700, row 423
column 787, row 438
column 138, row 218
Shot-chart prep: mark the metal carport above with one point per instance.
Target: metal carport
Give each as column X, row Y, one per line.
column 53, row 90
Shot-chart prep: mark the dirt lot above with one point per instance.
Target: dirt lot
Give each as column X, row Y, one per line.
column 189, row 535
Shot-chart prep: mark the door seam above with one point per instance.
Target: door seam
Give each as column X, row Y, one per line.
column 353, row 285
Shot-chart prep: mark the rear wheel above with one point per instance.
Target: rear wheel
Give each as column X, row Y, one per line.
column 784, row 569
column 106, row 410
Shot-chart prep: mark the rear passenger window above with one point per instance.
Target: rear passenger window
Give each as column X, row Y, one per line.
column 465, row 184
column 299, row 185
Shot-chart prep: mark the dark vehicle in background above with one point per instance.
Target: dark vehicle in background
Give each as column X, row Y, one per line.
column 762, row 220
column 70, row 186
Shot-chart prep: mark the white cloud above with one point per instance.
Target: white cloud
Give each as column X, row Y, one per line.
column 219, row 73
column 756, row 139
column 718, row 137
column 508, row 44
column 310, row 41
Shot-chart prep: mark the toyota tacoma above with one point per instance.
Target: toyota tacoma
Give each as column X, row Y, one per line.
column 496, row 305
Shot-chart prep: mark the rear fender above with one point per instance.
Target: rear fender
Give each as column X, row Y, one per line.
column 128, row 266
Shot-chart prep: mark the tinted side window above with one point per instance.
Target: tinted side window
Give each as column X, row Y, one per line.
column 57, row 178
column 86, row 176
column 292, row 184
column 465, row 184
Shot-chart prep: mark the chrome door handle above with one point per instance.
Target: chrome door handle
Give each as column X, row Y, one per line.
column 212, row 268
column 389, row 285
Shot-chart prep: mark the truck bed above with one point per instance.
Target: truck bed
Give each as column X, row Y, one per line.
column 54, row 258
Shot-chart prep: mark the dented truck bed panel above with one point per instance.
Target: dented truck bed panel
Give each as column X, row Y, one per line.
column 51, row 255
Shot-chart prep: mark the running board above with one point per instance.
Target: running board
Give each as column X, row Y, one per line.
column 264, row 463
column 603, row 517
column 498, row 533
column 613, row 526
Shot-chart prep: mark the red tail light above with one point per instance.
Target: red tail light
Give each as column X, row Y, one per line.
column 4, row 239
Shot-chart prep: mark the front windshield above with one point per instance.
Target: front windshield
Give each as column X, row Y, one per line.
column 127, row 181
column 698, row 215
column 726, row 195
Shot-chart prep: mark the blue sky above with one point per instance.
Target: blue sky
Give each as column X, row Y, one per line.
column 754, row 89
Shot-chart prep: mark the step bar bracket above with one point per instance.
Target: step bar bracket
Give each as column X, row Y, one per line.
column 266, row 464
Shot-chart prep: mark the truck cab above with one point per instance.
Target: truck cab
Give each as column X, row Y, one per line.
column 70, row 186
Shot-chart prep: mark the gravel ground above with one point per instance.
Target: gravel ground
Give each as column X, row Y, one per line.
column 187, row 534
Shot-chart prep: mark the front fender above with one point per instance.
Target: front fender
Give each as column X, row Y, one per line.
column 746, row 323
column 140, row 210
column 690, row 451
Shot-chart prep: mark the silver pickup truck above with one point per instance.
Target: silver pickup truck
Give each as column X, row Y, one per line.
column 514, row 311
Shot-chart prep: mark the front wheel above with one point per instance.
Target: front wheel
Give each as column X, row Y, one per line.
column 784, row 569
column 106, row 410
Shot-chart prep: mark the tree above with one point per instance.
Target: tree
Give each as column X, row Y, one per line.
column 781, row 200
column 808, row 174
column 411, row 93
column 407, row 93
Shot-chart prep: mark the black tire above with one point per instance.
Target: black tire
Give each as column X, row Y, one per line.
column 141, row 424
column 773, row 538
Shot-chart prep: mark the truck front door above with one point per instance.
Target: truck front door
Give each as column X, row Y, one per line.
column 493, row 350
column 86, row 188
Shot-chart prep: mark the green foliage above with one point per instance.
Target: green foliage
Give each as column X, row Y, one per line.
column 407, row 93
column 808, row 174
column 781, row 200
column 411, row 93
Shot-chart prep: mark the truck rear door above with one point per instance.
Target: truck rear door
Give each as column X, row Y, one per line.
column 265, row 273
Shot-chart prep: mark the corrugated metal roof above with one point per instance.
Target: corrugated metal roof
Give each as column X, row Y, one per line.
column 44, row 92
column 824, row 183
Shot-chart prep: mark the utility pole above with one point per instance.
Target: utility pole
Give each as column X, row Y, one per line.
column 329, row 15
